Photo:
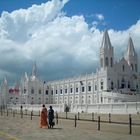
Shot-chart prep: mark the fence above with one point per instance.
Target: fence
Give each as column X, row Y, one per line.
column 127, row 120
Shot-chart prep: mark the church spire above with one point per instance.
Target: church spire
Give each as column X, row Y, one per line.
column 106, row 44
column 131, row 56
column 5, row 81
column 34, row 70
column 130, row 50
column 106, row 52
column 25, row 76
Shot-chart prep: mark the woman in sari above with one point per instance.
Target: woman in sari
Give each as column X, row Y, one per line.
column 44, row 116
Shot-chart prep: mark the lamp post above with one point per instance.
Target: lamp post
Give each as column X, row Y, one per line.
column 81, row 99
column 44, row 92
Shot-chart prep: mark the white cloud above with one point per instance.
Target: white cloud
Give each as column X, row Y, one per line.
column 61, row 45
column 100, row 17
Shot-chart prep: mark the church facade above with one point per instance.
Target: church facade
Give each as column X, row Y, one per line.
column 114, row 82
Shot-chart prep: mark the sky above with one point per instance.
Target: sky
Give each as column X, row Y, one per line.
column 63, row 37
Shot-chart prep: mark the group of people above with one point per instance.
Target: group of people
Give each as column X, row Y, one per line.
column 47, row 116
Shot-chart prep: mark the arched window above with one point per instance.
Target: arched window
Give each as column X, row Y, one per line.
column 112, row 85
column 61, row 91
column 101, row 99
column 89, row 86
column 128, row 84
column 66, row 90
column 136, row 69
column 132, row 67
column 111, row 62
column 123, row 83
column 123, row 67
column 102, row 84
column 106, row 61
column 47, row 92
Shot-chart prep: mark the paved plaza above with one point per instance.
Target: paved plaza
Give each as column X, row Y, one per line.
column 17, row 128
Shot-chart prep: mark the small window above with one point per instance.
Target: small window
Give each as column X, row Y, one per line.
column 132, row 67
column 70, row 90
column 52, row 92
column 112, row 85
column 61, row 91
column 101, row 99
column 89, row 88
column 46, row 92
column 128, row 84
column 66, row 90
column 83, row 89
column 102, row 85
column 111, row 62
column 123, row 68
column 106, row 61
column 76, row 89
column 136, row 69
column 56, row 92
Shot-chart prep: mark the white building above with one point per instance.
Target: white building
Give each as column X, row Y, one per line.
column 114, row 82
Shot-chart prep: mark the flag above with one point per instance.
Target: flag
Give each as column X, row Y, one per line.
column 16, row 89
column 11, row 90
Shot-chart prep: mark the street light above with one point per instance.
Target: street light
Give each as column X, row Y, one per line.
column 44, row 92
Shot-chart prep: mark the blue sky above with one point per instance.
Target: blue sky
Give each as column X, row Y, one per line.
column 119, row 14
column 63, row 36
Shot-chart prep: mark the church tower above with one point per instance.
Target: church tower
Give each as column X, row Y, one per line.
column 4, row 90
column 106, row 52
column 131, row 56
column 34, row 72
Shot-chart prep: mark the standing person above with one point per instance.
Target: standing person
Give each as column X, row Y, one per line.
column 51, row 117
column 44, row 116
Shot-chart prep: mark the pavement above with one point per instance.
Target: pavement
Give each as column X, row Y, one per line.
column 17, row 128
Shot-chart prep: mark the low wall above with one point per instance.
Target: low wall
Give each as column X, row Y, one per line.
column 113, row 108
column 36, row 107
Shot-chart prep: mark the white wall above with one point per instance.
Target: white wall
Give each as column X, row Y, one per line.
column 113, row 108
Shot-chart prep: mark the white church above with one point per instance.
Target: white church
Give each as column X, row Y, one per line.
column 116, row 82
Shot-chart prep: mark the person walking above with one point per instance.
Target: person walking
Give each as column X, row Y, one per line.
column 51, row 117
column 43, row 118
